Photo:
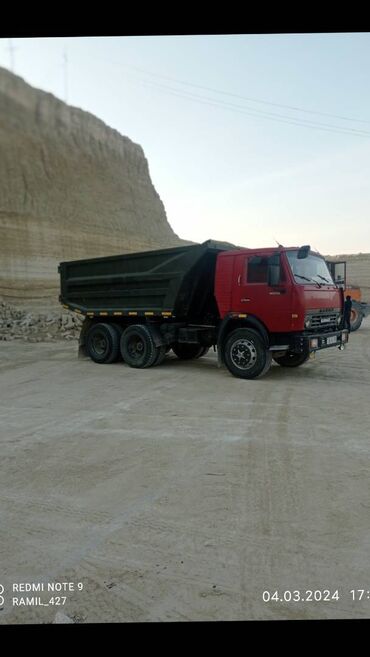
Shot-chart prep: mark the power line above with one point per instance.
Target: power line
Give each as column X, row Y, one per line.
column 249, row 99
column 273, row 116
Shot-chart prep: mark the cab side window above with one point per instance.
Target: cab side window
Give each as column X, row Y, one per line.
column 257, row 267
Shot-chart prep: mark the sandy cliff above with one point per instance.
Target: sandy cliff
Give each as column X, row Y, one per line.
column 70, row 187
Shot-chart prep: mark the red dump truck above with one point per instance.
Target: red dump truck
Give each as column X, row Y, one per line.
column 253, row 305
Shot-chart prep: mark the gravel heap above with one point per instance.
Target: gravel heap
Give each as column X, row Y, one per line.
column 38, row 327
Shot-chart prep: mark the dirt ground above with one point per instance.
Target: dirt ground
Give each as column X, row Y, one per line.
column 180, row 492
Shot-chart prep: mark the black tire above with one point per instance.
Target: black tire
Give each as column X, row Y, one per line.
column 119, row 330
column 188, row 351
column 292, row 360
column 137, row 346
column 246, row 355
column 356, row 318
column 160, row 356
column 102, row 343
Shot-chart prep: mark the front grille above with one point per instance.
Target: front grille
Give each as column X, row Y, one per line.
column 323, row 321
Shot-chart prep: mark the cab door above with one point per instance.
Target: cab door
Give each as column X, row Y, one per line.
column 253, row 294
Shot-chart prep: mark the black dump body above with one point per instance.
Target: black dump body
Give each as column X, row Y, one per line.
column 177, row 282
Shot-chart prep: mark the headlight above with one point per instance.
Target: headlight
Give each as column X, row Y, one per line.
column 307, row 323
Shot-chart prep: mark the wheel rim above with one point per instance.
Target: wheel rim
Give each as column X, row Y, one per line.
column 99, row 344
column 135, row 347
column 243, row 354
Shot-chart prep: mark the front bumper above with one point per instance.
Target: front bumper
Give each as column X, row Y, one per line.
column 321, row 341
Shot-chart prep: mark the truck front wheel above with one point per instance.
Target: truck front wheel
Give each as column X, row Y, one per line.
column 102, row 343
column 137, row 346
column 292, row 360
column 245, row 354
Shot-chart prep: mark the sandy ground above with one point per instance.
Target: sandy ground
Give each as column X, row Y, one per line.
column 180, row 492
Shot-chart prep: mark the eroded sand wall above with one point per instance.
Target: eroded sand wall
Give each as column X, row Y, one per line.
column 70, row 187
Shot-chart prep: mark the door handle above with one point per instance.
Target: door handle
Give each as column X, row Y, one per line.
column 244, row 300
column 282, row 291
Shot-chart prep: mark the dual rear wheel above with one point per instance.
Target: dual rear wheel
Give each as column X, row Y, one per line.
column 138, row 348
column 107, row 343
column 103, row 343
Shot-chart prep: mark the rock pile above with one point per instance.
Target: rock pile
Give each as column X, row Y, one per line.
column 38, row 327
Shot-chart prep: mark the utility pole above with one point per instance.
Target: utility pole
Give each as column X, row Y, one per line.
column 65, row 58
column 11, row 49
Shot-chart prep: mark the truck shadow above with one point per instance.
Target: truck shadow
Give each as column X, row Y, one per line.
column 309, row 372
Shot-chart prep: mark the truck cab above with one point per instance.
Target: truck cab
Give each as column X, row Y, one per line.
column 287, row 295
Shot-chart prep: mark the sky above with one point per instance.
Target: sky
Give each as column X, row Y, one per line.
column 252, row 139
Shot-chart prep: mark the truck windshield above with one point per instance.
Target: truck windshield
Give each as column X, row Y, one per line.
column 313, row 269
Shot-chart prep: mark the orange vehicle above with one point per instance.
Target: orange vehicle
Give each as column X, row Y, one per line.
column 360, row 309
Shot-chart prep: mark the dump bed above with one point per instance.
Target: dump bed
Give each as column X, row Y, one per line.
column 168, row 282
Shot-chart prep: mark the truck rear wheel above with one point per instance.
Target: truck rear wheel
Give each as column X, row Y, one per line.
column 161, row 354
column 137, row 346
column 119, row 330
column 188, row 351
column 245, row 354
column 102, row 343
column 292, row 360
